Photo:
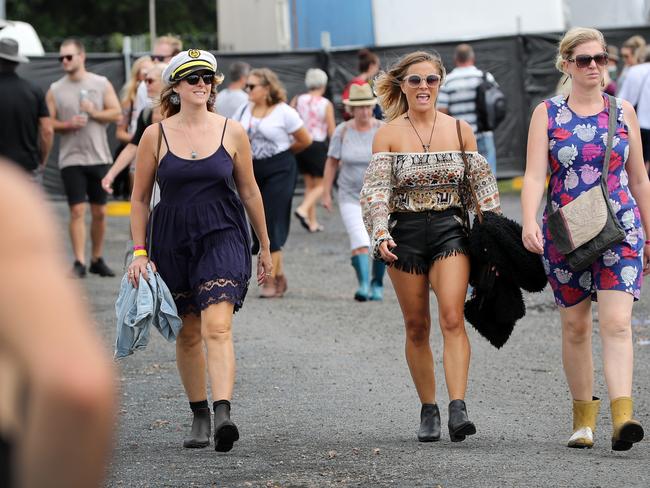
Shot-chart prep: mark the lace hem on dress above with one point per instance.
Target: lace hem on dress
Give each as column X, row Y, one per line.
column 209, row 293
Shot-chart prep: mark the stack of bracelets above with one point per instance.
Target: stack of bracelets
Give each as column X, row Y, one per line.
column 139, row 251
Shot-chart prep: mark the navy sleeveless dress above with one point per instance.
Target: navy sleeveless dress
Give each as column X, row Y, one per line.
column 200, row 239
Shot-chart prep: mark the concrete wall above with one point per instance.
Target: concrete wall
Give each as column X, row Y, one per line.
column 415, row 21
column 253, row 25
column 604, row 14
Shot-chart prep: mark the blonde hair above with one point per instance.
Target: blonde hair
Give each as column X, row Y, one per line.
column 572, row 39
column 388, row 84
column 167, row 108
column 637, row 45
column 175, row 43
column 268, row 78
column 130, row 88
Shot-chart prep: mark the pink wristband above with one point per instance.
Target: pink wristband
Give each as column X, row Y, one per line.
column 647, row 242
column 139, row 248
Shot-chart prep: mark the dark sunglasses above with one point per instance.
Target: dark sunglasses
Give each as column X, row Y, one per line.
column 193, row 79
column 250, row 86
column 67, row 57
column 584, row 60
column 149, row 81
column 158, row 57
column 414, row 81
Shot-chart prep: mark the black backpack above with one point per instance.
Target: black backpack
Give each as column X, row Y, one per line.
column 490, row 105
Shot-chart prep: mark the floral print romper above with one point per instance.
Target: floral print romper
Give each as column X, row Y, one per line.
column 576, row 152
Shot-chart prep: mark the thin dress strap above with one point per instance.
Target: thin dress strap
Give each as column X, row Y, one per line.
column 224, row 130
column 164, row 136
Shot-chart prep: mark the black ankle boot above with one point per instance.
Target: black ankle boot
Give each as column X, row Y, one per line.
column 459, row 425
column 429, row 423
column 200, row 433
column 225, row 430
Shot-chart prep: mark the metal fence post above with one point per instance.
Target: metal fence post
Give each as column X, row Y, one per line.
column 126, row 52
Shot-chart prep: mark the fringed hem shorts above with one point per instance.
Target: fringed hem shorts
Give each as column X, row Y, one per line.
column 422, row 238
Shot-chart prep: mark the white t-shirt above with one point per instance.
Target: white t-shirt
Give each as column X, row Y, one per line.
column 230, row 101
column 270, row 135
column 636, row 90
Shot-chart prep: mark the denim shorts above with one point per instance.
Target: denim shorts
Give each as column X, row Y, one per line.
column 422, row 238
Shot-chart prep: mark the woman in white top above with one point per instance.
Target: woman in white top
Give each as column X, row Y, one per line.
column 276, row 132
column 318, row 114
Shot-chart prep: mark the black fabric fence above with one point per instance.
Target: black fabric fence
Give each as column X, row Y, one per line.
column 523, row 66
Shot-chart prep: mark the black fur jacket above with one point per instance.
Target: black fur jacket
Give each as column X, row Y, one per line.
column 501, row 268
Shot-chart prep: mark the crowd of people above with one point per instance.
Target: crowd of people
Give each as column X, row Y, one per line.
column 211, row 176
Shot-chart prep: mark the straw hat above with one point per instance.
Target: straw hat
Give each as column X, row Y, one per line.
column 360, row 96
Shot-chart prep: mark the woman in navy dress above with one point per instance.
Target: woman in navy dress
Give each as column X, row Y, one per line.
column 200, row 240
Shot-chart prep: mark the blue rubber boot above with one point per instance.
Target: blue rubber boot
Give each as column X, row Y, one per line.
column 362, row 269
column 377, row 283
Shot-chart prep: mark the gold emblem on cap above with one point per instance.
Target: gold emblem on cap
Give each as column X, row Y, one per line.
column 194, row 53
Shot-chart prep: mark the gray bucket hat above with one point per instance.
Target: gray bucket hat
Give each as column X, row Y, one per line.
column 9, row 51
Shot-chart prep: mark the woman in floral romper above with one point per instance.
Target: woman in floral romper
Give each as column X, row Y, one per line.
column 570, row 135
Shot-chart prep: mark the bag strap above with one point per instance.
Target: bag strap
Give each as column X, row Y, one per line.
column 155, row 183
column 611, row 130
column 466, row 180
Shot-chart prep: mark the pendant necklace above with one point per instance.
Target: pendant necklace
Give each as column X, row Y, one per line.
column 425, row 147
column 253, row 130
column 189, row 141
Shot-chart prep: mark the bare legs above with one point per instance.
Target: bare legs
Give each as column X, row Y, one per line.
column 413, row 294
column 77, row 229
column 576, row 349
column 214, row 329
column 313, row 193
column 615, row 318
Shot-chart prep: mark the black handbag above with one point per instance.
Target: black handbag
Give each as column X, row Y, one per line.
column 587, row 226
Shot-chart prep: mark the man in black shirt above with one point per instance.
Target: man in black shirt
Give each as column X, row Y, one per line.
column 26, row 132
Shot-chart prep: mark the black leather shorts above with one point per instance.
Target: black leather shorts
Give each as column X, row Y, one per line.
column 425, row 237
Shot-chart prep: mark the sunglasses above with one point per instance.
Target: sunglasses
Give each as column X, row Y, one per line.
column 414, row 81
column 149, row 81
column 584, row 60
column 66, row 57
column 250, row 86
column 159, row 57
column 193, row 79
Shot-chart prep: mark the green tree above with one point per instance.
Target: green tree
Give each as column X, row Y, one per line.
column 83, row 18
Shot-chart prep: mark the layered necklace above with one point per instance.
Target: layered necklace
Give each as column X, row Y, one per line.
column 425, row 147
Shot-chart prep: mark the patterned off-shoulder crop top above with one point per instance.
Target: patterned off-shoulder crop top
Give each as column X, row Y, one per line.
column 417, row 182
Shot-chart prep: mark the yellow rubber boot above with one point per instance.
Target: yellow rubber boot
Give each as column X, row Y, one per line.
column 584, row 423
column 627, row 430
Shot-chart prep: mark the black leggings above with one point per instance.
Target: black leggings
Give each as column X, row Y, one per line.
column 276, row 178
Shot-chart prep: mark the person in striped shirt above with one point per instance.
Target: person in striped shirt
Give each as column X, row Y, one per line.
column 457, row 97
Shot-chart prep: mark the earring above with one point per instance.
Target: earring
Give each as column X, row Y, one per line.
column 174, row 99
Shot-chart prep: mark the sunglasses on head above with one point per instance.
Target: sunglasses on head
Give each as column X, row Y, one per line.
column 194, row 78
column 66, row 57
column 584, row 60
column 415, row 81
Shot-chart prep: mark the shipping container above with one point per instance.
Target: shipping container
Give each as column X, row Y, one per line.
column 334, row 23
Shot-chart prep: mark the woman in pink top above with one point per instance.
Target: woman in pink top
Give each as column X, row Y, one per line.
column 318, row 114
